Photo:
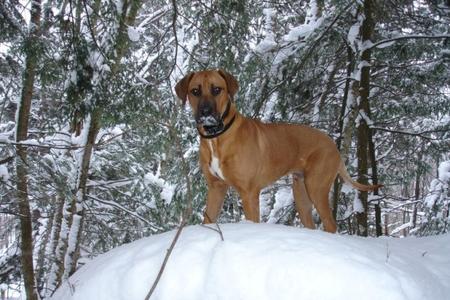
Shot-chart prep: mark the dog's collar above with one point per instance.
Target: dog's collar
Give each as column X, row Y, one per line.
column 219, row 129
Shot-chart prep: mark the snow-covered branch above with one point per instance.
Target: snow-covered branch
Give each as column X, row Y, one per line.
column 117, row 205
column 390, row 42
column 421, row 134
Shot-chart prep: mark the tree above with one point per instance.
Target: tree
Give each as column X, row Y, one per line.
column 26, row 230
column 437, row 204
column 363, row 84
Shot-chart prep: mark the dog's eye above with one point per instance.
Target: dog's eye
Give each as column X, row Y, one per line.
column 216, row 90
column 196, row 92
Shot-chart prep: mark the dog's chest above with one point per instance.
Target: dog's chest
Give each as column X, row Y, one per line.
column 214, row 164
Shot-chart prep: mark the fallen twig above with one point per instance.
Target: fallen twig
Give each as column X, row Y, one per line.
column 218, row 230
column 166, row 259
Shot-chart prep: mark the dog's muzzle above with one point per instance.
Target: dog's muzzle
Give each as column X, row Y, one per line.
column 208, row 119
column 212, row 125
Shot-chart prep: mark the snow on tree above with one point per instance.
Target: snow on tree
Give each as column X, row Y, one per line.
column 437, row 203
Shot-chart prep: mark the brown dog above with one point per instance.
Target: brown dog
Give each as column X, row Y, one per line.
column 249, row 155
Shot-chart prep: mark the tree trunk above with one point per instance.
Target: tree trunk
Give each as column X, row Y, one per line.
column 378, row 228
column 42, row 261
column 129, row 12
column 416, row 190
column 52, row 257
column 57, row 266
column 26, row 230
column 77, row 206
column 386, row 224
column 363, row 133
column 373, row 166
column 344, row 134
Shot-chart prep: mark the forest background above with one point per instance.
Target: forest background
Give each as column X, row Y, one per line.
column 96, row 150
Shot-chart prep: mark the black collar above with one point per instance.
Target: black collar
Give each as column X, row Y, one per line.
column 218, row 129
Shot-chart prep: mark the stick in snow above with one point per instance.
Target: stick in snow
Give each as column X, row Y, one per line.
column 166, row 259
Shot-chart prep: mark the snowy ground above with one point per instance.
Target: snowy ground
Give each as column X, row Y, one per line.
column 262, row 261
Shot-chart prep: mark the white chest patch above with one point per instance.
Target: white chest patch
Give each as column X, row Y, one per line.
column 214, row 167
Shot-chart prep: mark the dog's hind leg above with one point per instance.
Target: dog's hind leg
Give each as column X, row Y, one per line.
column 319, row 176
column 302, row 202
column 318, row 188
column 323, row 208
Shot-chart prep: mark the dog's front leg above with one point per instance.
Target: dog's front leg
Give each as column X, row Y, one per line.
column 250, row 203
column 216, row 195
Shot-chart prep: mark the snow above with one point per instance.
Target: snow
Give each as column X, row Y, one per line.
column 299, row 32
column 437, row 186
column 266, row 45
column 444, row 171
column 306, row 29
column 401, row 227
column 4, row 175
column 134, row 34
column 283, row 199
column 357, row 205
column 352, row 35
column 385, row 44
column 167, row 189
column 266, row 261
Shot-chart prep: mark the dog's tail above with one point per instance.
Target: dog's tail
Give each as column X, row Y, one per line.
column 362, row 187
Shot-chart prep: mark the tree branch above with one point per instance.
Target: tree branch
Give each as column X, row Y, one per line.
column 117, row 205
column 419, row 134
column 407, row 37
column 166, row 259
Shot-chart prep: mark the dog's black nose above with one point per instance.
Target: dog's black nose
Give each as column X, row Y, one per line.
column 205, row 109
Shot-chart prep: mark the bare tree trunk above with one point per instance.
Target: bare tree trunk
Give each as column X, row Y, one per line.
column 373, row 166
column 363, row 133
column 57, row 266
column 378, row 228
column 54, row 261
column 26, row 230
column 42, row 261
column 77, row 207
column 386, row 224
column 405, row 231
column 416, row 190
column 341, row 130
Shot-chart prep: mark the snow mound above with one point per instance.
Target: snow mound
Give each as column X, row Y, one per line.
column 262, row 261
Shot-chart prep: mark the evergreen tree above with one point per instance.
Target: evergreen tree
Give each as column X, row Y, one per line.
column 437, row 204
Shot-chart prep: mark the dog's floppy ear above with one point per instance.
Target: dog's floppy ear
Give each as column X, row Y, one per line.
column 232, row 83
column 181, row 88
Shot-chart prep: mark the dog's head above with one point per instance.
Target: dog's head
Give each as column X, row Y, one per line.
column 208, row 93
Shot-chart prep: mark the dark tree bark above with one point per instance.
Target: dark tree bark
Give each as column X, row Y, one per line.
column 26, row 229
column 363, row 132
column 416, row 190
column 77, row 208
column 337, row 183
column 129, row 12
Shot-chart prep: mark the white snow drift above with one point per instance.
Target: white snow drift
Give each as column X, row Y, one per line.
column 261, row 261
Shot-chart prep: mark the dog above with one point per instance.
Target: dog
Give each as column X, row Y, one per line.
column 248, row 155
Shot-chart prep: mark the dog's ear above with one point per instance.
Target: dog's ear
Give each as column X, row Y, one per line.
column 181, row 88
column 232, row 83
